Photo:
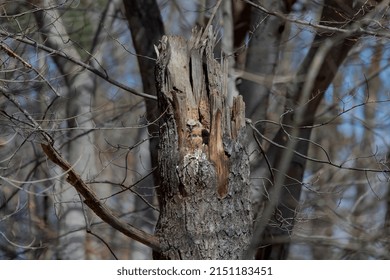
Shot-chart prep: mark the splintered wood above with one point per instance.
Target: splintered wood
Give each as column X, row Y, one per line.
column 203, row 161
column 193, row 89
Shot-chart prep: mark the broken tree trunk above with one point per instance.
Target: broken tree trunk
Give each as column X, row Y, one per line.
column 205, row 211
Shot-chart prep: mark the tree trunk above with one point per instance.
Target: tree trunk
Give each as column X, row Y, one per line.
column 295, row 133
column 262, row 57
column 146, row 28
column 72, row 244
column 204, row 193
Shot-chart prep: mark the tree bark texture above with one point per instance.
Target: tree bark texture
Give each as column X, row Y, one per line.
column 205, row 210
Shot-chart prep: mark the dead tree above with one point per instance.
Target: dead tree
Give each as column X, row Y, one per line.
column 205, row 210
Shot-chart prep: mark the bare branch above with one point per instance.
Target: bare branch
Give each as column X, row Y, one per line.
column 328, row 162
column 64, row 55
column 91, row 200
column 94, row 203
column 354, row 29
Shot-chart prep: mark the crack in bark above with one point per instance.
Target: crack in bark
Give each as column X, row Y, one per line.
column 208, row 190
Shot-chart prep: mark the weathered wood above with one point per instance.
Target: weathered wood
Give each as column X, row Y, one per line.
column 205, row 211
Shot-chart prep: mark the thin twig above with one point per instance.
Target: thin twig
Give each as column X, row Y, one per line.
column 104, row 242
column 74, row 179
column 329, row 161
column 11, row 53
column 354, row 29
column 90, row 68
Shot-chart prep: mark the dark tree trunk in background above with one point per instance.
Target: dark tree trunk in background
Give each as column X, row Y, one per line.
column 298, row 124
column 204, row 193
column 146, row 28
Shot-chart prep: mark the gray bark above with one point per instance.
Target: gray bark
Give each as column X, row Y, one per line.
column 204, row 193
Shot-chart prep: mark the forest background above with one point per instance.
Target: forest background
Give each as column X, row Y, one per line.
column 80, row 126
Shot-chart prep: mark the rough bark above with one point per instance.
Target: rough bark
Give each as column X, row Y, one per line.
column 204, row 193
